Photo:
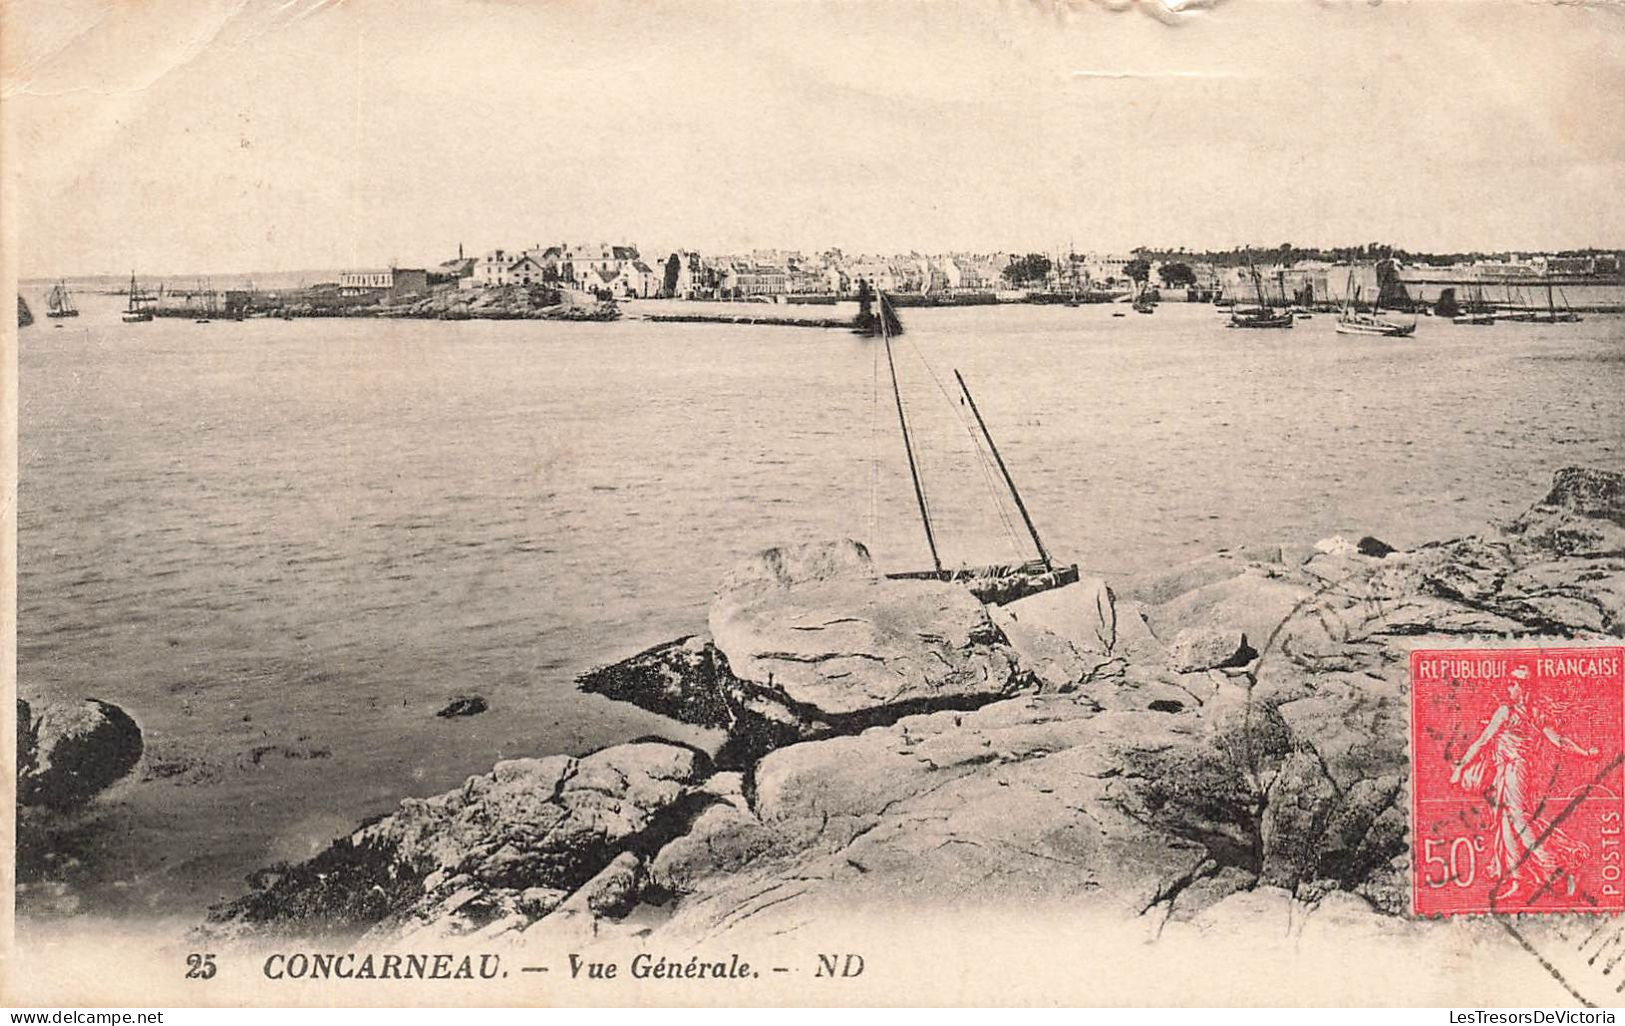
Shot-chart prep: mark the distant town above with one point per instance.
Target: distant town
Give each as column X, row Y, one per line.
column 591, row 281
column 623, row 272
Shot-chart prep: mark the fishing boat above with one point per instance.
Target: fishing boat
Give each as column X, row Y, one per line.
column 1303, row 300
column 25, row 316
column 1261, row 316
column 1516, row 309
column 995, row 584
column 140, row 307
column 1143, row 303
column 1477, row 311
column 59, row 302
column 1553, row 315
column 1352, row 322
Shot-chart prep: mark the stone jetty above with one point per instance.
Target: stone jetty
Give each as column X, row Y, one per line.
column 1206, row 744
column 783, row 322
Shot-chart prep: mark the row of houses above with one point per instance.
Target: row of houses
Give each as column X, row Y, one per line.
column 619, row 270
column 622, row 271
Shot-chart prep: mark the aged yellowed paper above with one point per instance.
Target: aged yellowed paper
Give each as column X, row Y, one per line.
column 815, row 503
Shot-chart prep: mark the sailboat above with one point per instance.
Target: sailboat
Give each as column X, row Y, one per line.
column 1553, row 315
column 1303, row 300
column 1262, row 315
column 1477, row 310
column 1350, row 322
column 139, row 310
column 1516, row 310
column 1142, row 300
column 993, row 584
column 59, row 303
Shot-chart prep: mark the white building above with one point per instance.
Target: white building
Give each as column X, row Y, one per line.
column 492, row 269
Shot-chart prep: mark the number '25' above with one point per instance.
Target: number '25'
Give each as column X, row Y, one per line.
column 200, row 967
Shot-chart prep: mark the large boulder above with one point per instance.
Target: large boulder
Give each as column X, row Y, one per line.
column 68, row 752
column 1582, row 515
column 508, row 846
column 1036, row 800
column 1226, row 616
column 1063, row 636
column 818, row 625
column 683, row 679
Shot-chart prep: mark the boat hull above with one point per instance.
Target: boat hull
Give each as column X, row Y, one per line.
column 1382, row 329
column 996, row 585
column 1266, row 321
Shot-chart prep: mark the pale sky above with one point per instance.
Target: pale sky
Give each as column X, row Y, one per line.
column 190, row 136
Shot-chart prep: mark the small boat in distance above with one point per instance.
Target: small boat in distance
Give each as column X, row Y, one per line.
column 1261, row 316
column 59, row 302
column 1143, row 303
column 139, row 309
column 1477, row 311
column 1350, row 322
column 1516, row 309
column 1553, row 315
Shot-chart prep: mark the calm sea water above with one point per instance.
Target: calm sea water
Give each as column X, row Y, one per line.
column 282, row 546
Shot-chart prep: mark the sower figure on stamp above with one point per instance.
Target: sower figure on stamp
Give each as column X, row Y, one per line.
column 1529, row 852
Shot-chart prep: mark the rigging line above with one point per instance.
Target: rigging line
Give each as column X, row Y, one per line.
column 976, row 443
column 992, row 484
column 985, row 463
column 1015, row 496
column 874, row 448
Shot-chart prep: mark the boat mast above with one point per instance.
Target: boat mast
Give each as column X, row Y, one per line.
column 1043, row 554
column 908, row 444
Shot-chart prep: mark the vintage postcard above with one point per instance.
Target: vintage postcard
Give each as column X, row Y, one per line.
column 815, row 503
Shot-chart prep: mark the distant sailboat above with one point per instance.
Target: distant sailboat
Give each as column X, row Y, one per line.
column 139, row 309
column 1516, row 309
column 1263, row 315
column 59, row 302
column 1477, row 310
column 1143, row 303
column 1351, row 322
column 1553, row 315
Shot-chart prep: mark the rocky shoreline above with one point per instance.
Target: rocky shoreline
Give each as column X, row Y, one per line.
column 1190, row 746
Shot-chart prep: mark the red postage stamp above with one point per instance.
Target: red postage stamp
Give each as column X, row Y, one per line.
column 1517, row 780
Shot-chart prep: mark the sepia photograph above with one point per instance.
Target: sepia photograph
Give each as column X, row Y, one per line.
column 821, row 503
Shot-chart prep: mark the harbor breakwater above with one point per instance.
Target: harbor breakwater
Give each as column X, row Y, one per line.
column 508, row 302
column 1207, row 744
